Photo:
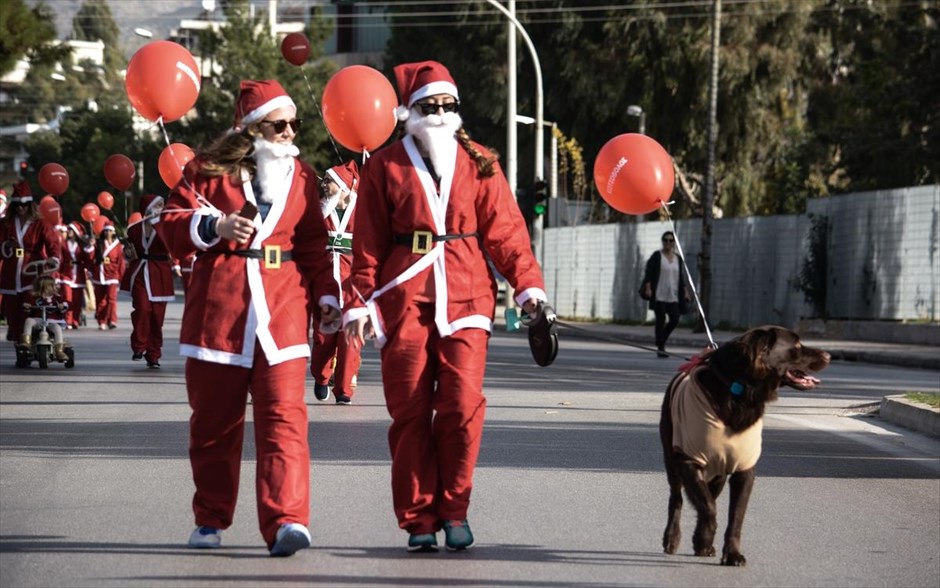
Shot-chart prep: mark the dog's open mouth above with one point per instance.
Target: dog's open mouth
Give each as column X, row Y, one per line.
column 800, row 380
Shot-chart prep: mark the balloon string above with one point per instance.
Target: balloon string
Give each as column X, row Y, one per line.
column 339, row 158
column 698, row 302
column 365, row 155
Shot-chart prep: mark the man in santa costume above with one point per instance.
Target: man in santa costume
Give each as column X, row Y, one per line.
column 106, row 274
column 77, row 254
column 431, row 206
column 338, row 203
column 24, row 239
column 149, row 280
column 249, row 209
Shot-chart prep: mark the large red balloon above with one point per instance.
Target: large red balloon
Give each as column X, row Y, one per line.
column 634, row 174
column 105, row 200
column 50, row 211
column 54, row 179
column 295, row 48
column 172, row 161
column 119, row 170
column 359, row 107
column 99, row 224
column 90, row 212
column 162, row 80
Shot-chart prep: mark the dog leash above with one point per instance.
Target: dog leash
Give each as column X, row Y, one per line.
column 608, row 339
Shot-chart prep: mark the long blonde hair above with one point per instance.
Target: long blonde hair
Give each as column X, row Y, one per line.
column 42, row 284
column 231, row 153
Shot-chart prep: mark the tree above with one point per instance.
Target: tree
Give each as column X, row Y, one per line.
column 27, row 33
column 94, row 22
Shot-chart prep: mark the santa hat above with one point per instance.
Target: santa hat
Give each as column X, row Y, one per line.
column 61, row 228
column 420, row 80
column 77, row 227
column 149, row 202
column 22, row 192
column 257, row 99
column 346, row 176
column 107, row 227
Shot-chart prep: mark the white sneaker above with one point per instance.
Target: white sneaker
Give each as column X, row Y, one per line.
column 205, row 538
column 291, row 538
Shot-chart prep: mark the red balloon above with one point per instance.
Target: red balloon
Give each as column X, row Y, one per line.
column 359, row 107
column 295, row 48
column 105, row 200
column 54, row 179
column 172, row 161
column 162, row 80
column 119, row 170
column 99, row 224
column 634, row 174
column 50, row 211
column 90, row 212
column 135, row 217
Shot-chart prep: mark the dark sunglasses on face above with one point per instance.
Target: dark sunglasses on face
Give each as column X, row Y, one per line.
column 669, row 240
column 431, row 108
column 280, row 125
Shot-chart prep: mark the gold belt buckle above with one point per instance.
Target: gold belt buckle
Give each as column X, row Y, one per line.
column 106, row 260
column 272, row 257
column 20, row 252
column 419, row 237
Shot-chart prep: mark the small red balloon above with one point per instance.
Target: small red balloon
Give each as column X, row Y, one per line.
column 119, row 170
column 50, row 211
column 172, row 161
column 54, row 179
column 135, row 217
column 90, row 212
column 162, row 80
column 295, row 48
column 105, row 200
column 99, row 223
column 634, row 174
column 359, row 107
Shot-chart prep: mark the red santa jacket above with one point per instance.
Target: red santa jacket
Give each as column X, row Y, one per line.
column 397, row 197
column 76, row 258
column 153, row 264
column 52, row 305
column 108, row 266
column 339, row 226
column 233, row 301
column 20, row 243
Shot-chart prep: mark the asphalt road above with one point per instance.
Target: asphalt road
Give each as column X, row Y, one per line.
column 95, row 484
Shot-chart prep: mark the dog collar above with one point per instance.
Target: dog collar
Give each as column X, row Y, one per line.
column 737, row 388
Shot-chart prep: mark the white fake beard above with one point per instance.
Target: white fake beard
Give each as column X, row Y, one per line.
column 435, row 133
column 274, row 163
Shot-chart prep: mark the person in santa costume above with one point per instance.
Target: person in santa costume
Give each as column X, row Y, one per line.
column 24, row 239
column 77, row 254
column 431, row 207
column 249, row 209
column 149, row 280
column 331, row 356
column 106, row 273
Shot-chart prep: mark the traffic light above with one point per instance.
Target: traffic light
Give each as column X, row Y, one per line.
column 24, row 168
column 540, row 199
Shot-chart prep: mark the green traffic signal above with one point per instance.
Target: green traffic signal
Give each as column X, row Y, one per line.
column 539, row 208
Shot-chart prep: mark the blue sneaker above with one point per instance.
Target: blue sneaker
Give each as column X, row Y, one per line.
column 422, row 543
column 205, row 538
column 457, row 535
column 321, row 391
column 291, row 538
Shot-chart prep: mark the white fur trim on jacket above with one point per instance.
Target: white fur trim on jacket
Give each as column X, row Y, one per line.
column 194, row 227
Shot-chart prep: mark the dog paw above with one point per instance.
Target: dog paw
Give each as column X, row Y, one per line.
column 705, row 551
column 733, row 559
column 670, row 546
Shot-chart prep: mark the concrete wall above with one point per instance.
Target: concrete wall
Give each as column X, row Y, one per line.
column 883, row 263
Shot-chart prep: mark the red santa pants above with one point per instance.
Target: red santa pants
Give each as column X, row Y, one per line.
column 76, row 305
column 15, row 315
column 147, row 321
column 434, row 394
column 325, row 348
column 217, row 395
column 106, row 296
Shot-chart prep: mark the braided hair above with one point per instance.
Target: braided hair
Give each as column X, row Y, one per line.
column 484, row 162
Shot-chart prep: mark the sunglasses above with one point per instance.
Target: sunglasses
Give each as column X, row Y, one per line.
column 280, row 125
column 669, row 240
column 427, row 108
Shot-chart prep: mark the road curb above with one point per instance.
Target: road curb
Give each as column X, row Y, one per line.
column 912, row 415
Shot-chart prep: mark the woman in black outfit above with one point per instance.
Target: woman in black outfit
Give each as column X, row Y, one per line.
column 665, row 288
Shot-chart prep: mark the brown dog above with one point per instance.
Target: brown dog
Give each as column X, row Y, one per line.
column 711, row 427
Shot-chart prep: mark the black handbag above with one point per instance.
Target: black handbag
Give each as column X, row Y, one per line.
column 642, row 292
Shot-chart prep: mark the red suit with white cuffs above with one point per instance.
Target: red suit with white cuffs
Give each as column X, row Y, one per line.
column 244, row 329
column 106, row 274
column 432, row 303
column 149, row 280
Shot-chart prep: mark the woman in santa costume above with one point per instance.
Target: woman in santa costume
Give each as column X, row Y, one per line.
column 431, row 206
column 24, row 238
column 77, row 255
column 338, row 203
column 106, row 274
column 249, row 209
column 149, row 280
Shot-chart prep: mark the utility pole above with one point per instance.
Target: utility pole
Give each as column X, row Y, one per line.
column 705, row 256
column 512, row 155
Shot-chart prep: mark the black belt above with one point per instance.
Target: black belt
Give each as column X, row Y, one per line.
column 423, row 241
column 155, row 257
column 272, row 255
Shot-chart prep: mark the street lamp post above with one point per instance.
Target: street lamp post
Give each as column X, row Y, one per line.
column 634, row 110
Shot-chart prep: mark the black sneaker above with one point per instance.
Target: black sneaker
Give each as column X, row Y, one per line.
column 457, row 535
column 422, row 543
column 153, row 364
column 321, row 391
column 137, row 356
column 343, row 399
column 112, row 326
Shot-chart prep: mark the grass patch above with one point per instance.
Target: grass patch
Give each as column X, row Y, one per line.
column 931, row 399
